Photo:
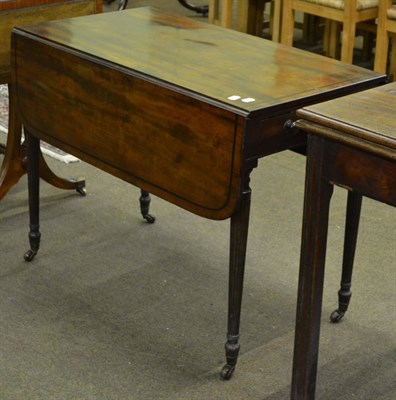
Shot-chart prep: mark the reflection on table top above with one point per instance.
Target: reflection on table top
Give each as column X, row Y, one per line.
column 238, row 70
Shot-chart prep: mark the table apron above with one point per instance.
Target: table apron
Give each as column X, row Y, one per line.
column 269, row 135
column 369, row 174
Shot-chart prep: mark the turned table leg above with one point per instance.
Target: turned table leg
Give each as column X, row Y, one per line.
column 354, row 206
column 33, row 156
column 238, row 244
column 145, row 200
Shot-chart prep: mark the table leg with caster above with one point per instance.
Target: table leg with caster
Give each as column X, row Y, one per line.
column 33, row 152
column 354, row 206
column 238, row 244
column 145, row 200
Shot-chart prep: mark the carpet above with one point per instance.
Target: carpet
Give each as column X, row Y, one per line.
column 46, row 148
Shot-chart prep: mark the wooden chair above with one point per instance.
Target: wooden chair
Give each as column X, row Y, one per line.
column 386, row 29
column 347, row 12
column 25, row 12
column 249, row 15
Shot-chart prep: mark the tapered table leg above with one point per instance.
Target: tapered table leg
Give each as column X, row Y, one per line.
column 238, row 243
column 354, row 206
column 33, row 156
column 310, row 287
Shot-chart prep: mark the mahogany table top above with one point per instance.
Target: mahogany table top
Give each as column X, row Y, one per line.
column 368, row 115
column 205, row 60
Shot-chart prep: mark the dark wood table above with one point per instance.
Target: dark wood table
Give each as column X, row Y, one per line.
column 26, row 12
column 181, row 109
column 352, row 144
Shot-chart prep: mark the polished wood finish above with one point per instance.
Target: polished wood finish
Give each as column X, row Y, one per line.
column 185, row 114
column 26, row 12
column 352, row 144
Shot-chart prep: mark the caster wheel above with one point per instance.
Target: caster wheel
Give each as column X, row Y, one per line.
column 227, row 372
column 149, row 218
column 29, row 255
column 336, row 316
column 82, row 191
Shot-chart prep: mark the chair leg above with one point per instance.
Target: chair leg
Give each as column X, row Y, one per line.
column 348, row 42
column 334, row 40
column 276, row 20
column 213, row 15
column 250, row 16
column 287, row 26
column 381, row 51
column 243, row 20
column 226, row 13
column 354, row 205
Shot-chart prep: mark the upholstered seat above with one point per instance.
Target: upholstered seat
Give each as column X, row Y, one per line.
column 340, row 4
column 391, row 13
column 348, row 13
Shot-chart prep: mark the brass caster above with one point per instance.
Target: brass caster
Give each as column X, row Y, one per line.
column 81, row 190
column 29, row 255
column 149, row 218
column 336, row 316
column 227, row 372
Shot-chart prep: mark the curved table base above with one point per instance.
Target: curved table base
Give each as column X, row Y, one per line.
column 14, row 162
